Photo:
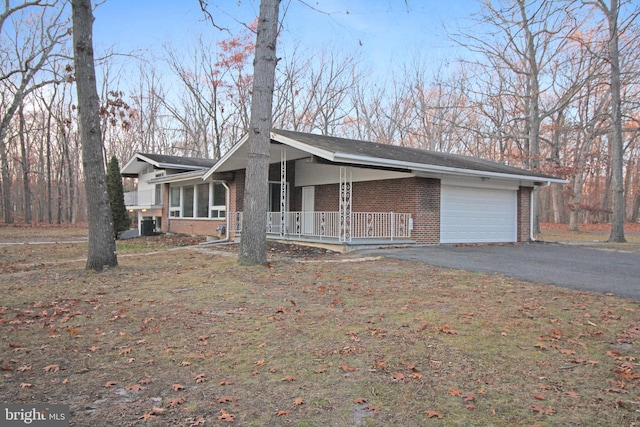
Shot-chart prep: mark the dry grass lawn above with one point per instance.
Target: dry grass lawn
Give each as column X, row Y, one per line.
column 185, row 336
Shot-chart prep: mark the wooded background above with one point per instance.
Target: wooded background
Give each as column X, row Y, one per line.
column 533, row 91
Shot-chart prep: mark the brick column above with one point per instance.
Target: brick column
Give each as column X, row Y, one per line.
column 524, row 214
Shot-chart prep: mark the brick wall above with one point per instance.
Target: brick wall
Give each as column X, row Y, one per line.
column 195, row 227
column 426, row 220
column 524, row 214
column 418, row 196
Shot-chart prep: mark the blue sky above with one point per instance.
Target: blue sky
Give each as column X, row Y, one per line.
column 382, row 32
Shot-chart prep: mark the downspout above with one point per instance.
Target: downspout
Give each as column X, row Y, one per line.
column 532, row 208
column 227, row 200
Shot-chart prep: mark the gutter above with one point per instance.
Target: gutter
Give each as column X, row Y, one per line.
column 364, row 160
column 532, row 209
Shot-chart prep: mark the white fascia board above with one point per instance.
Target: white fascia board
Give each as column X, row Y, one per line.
column 324, row 154
column 176, row 166
column 224, row 158
column 147, row 160
column 133, row 160
column 157, row 165
column 177, row 177
column 419, row 167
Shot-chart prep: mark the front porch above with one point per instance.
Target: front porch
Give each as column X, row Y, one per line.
column 358, row 228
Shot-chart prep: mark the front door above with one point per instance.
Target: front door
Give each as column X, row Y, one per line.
column 308, row 197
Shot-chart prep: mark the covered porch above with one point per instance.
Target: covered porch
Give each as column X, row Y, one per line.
column 353, row 228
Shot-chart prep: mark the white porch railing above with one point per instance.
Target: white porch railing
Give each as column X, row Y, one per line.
column 364, row 225
column 143, row 198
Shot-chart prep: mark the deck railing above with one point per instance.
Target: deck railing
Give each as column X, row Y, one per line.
column 143, row 198
column 363, row 225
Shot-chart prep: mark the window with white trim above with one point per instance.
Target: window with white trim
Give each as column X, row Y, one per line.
column 206, row 200
column 188, row 195
column 174, row 202
column 218, row 201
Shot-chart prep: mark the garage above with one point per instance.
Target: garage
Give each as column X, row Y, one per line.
column 477, row 215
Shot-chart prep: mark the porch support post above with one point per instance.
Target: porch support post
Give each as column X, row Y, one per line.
column 283, row 192
column 346, row 185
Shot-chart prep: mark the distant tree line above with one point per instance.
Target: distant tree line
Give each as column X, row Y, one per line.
column 534, row 90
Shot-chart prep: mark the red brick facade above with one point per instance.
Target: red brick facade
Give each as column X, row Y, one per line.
column 418, row 196
column 189, row 226
column 524, row 214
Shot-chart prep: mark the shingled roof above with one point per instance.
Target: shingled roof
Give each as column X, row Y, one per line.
column 351, row 152
column 343, row 148
column 161, row 161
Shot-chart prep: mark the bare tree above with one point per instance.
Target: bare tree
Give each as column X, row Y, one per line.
column 102, row 247
column 611, row 14
column 24, row 55
column 521, row 49
column 253, row 244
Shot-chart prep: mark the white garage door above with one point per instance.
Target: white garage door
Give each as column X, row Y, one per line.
column 477, row 215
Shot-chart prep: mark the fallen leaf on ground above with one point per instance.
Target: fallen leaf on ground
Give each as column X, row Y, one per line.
column 110, row 384
column 177, row 387
column 432, row 414
column 134, row 387
column 542, row 411
column 298, row 401
column 360, row 400
column 225, row 416
column 446, row 329
column 51, row 368
column 175, row 402
column 225, row 399
column 147, row 416
column 283, row 412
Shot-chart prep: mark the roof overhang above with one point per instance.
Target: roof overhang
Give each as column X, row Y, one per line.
column 235, row 159
column 178, row 177
column 139, row 162
column 419, row 168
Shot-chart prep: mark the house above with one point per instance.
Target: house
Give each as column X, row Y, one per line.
column 349, row 192
column 153, row 172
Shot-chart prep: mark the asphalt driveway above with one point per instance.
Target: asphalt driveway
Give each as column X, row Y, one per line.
column 573, row 267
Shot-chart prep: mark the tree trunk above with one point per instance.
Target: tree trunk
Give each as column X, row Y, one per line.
column 25, row 169
column 617, row 190
column 102, row 246
column 253, row 243
column 635, row 208
column 6, row 182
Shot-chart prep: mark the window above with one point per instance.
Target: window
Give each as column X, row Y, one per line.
column 187, row 201
column 174, row 202
column 207, row 200
column 218, row 201
column 158, row 195
column 202, row 201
